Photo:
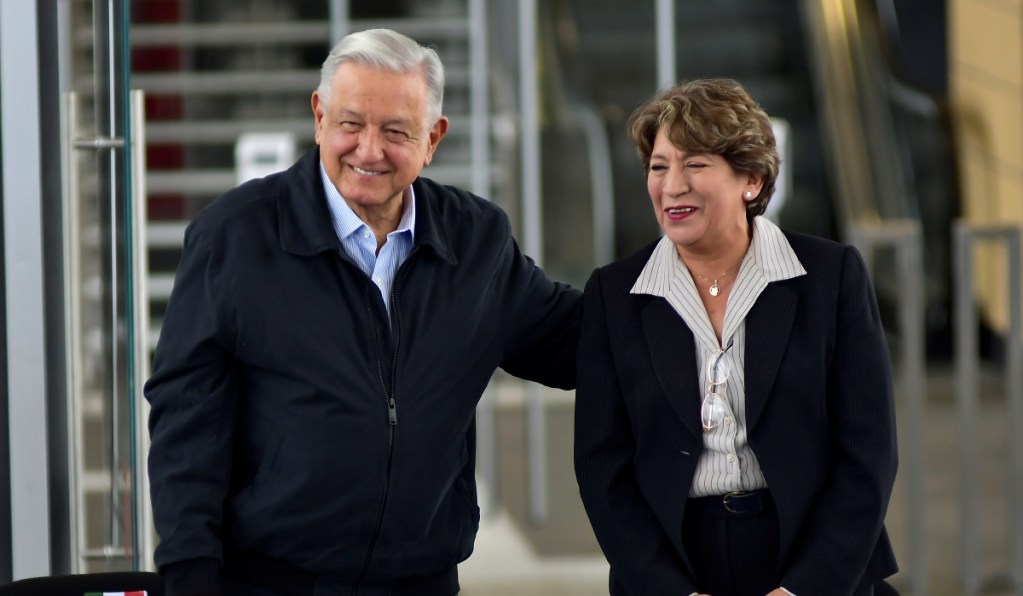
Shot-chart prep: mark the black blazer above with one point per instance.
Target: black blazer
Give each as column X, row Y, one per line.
column 819, row 414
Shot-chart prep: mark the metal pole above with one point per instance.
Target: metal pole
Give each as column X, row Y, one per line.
column 339, row 20
column 665, row 23
column 966, row 387
column 911, row 326
column 906, row 237
column 73, row 338
column 532, row 231
column 1014, row 386
column 144, row 531
column 486, row 447
column 23, row 254
column 479, row 98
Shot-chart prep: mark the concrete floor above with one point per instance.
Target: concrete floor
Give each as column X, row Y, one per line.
column 516, row 556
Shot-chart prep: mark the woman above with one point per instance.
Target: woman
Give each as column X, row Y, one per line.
column 735, row 427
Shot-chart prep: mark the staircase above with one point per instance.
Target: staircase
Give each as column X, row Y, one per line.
column 216, row 69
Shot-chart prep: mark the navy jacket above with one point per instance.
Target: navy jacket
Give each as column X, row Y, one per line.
column 820, row 418
column 291, row 419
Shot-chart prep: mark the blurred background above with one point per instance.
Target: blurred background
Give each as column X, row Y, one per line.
column 901, row 129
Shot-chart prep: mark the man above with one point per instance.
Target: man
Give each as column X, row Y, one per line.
column 331, row 330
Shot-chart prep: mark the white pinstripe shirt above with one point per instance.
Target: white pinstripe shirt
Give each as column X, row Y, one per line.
column 727, row 462
column 360, row 243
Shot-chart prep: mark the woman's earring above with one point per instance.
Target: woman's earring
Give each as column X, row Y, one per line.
column 748, row 195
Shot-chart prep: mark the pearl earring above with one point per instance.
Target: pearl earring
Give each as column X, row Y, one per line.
column 748, row 195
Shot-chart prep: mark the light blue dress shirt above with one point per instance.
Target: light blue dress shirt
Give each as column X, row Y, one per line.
column 360, row 243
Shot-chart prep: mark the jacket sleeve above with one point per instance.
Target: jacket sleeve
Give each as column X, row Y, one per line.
column 193, row 393
column 846, row 526
column 541, row 319
column 643, row 559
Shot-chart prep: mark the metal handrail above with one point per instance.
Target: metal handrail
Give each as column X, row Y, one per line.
column 871, row 185
column 601, row 182
column 833, row 63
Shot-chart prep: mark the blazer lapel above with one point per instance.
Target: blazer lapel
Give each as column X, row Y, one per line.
column 768, row 325
column 673, row 354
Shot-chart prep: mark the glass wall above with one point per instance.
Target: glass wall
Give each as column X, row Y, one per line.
column 76, row 312
column 104, row 308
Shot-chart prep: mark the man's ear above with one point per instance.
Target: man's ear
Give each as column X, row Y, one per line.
column 437, row 132
column 318, row 109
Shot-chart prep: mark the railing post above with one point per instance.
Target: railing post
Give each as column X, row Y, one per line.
column 532, row 233
column 966, row 235
column 664, row 21
column 28, row 490
column 905, row 237
column 339, row 21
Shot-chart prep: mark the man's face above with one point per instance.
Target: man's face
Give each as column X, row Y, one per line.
column 373, row 137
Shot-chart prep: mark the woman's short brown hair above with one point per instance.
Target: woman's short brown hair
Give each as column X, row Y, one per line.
column 716, row 117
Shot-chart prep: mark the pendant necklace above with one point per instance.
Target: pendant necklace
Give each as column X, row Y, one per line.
column 715, row 289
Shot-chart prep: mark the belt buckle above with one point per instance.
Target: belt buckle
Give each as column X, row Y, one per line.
column 734, row 494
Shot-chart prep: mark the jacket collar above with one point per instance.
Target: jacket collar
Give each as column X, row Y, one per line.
column 304, row 219
column 673, row 353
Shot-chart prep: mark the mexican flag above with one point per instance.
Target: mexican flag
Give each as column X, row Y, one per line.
column 143, row 593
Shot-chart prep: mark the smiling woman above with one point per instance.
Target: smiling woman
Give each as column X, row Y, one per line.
column 711, row 162
column 734, row 416
column 694, row 198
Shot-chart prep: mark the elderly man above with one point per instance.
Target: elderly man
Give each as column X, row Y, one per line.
column 331, row 330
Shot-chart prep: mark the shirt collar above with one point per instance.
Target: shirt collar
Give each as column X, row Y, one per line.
column 772, row 254
column 346, row 222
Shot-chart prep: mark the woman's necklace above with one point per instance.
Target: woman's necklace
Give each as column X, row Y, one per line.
column 715, row 289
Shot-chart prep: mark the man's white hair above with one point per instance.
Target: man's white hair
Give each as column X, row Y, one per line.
column 391, row 51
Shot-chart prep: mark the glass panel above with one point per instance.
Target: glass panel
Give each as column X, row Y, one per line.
column 99, row 264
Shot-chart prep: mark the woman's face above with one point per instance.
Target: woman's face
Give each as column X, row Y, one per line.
column 698, row 199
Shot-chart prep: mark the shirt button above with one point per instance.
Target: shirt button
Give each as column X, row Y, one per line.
column 731, row 457
column 365, row 234
column 379, row 281
column 728, row 420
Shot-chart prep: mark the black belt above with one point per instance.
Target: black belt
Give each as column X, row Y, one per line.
column 736, row 502
column 287, row 579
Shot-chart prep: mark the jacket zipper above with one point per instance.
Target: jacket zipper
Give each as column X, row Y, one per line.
column 392, row 420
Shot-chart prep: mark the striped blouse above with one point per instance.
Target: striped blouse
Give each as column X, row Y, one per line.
column 727, row 462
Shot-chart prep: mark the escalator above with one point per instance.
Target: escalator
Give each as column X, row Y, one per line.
column 889, row 142
column 613, row 62
column 870, row 144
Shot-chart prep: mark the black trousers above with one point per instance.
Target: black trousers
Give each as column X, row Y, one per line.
column 736, row 553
